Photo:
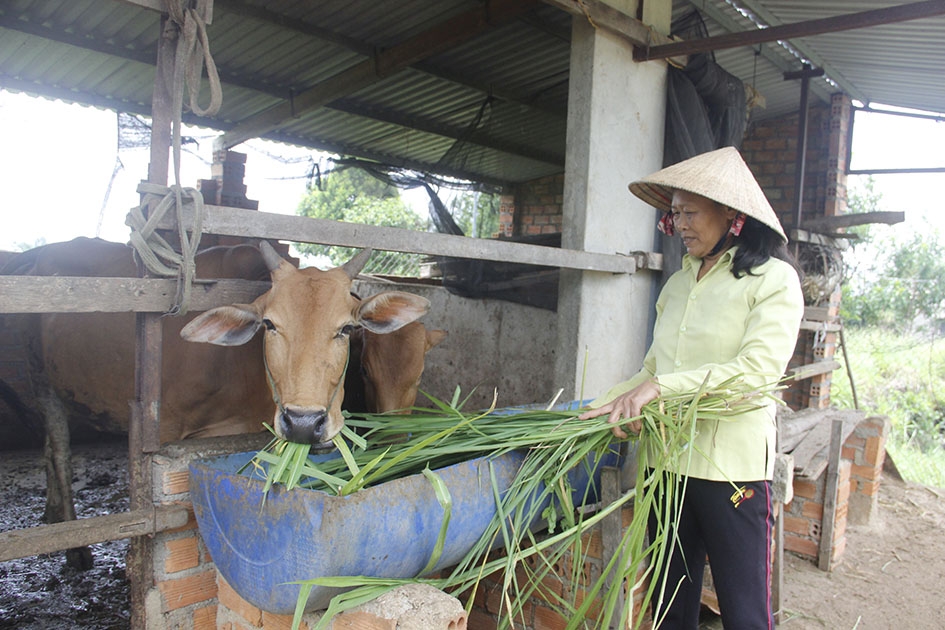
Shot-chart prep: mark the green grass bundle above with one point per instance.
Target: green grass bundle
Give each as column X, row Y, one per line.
column 555, row 443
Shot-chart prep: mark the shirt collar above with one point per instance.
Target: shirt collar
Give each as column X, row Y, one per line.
column 692, row 264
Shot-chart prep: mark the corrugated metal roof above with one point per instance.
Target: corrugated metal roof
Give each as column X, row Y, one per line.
column 511, row 77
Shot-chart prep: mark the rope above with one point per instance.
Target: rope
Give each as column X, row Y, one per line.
column 188, row 27
column 155, row 252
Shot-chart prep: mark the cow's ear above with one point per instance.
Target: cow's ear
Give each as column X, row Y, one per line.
column 388, row 311
column 434, row 337
column 224, row 326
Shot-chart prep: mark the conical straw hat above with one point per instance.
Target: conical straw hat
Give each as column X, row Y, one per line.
column 720, row 175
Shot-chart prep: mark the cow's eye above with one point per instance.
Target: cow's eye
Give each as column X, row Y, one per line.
column 268, row 324
column 346, row 330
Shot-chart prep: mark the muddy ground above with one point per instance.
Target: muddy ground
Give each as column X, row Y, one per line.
column 41, row 593
column 890, row 576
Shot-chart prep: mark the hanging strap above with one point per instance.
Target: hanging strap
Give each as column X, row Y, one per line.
column 160, row 258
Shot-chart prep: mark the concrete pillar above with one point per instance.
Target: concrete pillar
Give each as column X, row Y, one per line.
column 616, row 111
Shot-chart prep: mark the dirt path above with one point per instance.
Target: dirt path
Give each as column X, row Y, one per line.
column 890, row 576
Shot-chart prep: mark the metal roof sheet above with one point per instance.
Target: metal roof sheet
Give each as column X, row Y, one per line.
column 511, row 77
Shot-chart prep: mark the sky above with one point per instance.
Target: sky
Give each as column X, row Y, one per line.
column 58, row 162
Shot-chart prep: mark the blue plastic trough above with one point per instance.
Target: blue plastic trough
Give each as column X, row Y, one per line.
column 385, row 531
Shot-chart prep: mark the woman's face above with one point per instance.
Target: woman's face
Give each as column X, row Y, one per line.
column 699, row 221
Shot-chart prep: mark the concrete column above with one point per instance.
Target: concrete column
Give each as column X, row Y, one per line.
column 616, row 111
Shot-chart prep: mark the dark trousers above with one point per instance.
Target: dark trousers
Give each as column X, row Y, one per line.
column 734, row 531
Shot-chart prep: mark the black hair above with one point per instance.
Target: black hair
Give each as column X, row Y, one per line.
column 756, row 244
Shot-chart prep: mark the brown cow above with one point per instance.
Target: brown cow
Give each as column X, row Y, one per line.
column 86, row 359
column 385, row 370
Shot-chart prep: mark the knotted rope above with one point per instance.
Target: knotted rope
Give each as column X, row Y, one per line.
column 155, row 252
column 188, row 27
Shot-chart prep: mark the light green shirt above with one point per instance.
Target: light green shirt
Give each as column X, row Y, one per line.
column 746, row 326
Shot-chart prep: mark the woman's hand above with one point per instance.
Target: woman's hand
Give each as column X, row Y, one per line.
column 626, row 406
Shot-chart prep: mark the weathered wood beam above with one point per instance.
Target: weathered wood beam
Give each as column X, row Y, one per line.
column 830, row 224
column 253, row 223
column 63, row 294
column 602, row 14
column 22, row 543
column 850, row 21
column 427, row 44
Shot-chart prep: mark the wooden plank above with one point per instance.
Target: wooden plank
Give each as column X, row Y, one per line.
column 820, row 326
column 813, row 369
column 62, row 294
column 811, row 453
column 832, row 486
column 255, row 224
column 794, row 426
column 850, row 220
column 602, row 14
column 777, row 568
column 818, row 314
column 612, row 530
column 23, row 543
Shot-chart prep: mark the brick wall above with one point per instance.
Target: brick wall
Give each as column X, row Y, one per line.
column 186, row 592
column 866, row 451
column 860, row 470
column 533, row 208
column 770, row 149
column 537, row 613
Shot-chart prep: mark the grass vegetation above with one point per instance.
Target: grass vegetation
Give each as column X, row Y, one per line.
column 902, row 376
column 541, row 495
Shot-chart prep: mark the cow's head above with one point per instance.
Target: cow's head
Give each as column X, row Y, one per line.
column 307, row 317
column 391, row 365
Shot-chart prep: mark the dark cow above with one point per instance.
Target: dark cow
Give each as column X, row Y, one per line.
column 83, row 363
column 385, row 370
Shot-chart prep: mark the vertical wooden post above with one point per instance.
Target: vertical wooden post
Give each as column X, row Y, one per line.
column 800, row 160
column 831, row 488
column 612, row 533
column 144, row 427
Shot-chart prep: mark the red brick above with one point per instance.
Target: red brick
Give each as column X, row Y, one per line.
column 182, row 553
column 479, row 620
column 813, row 510
column 796, row 525
column 188, row 590
column 205, row 618
column 276, row 622
column 802, row 546
column 548, row 619
column 805, row 489
column 359, row 620
column 176, row 482
column 231, row 599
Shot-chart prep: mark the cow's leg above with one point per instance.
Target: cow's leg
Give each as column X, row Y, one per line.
column 57, row 454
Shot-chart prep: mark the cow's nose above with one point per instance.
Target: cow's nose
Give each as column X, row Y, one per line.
column 304, row 427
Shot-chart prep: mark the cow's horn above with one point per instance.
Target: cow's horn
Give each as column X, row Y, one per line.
column 270, row 256
column 354, row 266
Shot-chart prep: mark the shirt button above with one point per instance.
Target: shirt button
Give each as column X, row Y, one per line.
column 678, row 363
column 692, row 297
column 682, row 329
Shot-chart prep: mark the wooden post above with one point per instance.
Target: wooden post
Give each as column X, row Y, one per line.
column 611, row 530
column 144, row 426
column 831, row 488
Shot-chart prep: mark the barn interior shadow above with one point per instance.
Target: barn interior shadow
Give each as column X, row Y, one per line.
column 41, row 592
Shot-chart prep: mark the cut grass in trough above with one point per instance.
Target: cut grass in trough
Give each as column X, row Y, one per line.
column 540, row 498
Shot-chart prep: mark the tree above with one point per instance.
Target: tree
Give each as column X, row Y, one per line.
column 896, row 282
column 476, row 213
column 353, row 196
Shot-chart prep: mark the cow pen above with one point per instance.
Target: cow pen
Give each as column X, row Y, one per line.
column 609, row 132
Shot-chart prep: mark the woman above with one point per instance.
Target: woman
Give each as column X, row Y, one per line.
column 734, row 308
